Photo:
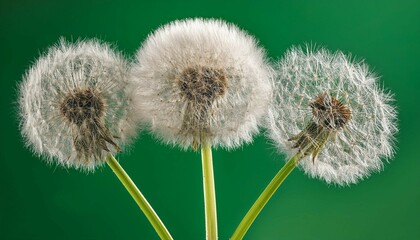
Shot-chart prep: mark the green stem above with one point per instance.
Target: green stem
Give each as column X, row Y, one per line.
column 264, row 197
column 138, row 197
column 209, row 193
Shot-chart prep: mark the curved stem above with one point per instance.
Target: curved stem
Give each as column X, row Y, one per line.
column 139, row 198
column 264, row 197
column 209, row 193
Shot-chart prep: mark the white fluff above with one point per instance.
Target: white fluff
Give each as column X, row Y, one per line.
column 356, row 150
column 233, row 118
column 65, row 67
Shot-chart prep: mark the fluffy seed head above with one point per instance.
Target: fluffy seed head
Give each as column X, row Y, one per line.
column 202, row 80
column 331, row 109
column 75, row 104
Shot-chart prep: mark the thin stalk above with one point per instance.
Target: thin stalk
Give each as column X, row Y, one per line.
column 209, row 193
column 139, row 198
column 265, row 197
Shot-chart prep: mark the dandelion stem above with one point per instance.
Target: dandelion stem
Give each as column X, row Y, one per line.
column 265, row 197
column 209, row 193
column 139, row 198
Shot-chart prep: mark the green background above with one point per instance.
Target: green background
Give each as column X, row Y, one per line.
column 48, row 202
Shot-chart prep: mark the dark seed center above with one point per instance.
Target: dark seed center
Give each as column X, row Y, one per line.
column 202, row 85
column 329, row 112
column 82, row 105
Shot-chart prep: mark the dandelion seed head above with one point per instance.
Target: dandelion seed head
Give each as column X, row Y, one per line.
column 75, row 104
column 202, row 80
column 332, row 110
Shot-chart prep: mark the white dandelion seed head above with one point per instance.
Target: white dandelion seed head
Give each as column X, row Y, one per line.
column 202, row 78
column 75, row 104
column 359, row 120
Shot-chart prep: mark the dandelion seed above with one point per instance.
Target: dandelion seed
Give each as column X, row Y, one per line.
column 331, row 109
column 75, row 104
column 202, row 81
